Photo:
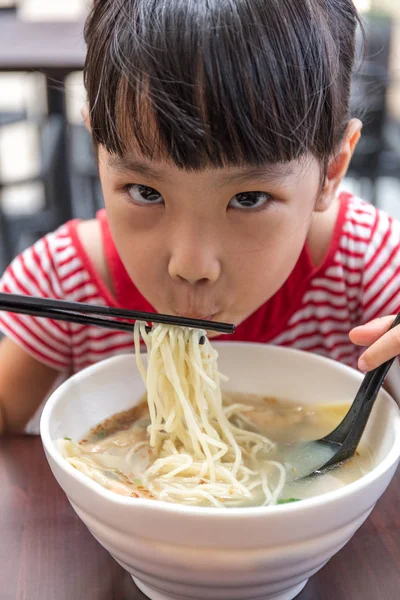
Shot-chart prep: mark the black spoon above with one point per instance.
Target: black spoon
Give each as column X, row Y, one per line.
column 342, row 442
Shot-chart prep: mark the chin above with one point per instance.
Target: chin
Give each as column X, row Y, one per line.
column 212, row 334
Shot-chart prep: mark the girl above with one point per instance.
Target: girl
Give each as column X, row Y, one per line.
column 222, row 134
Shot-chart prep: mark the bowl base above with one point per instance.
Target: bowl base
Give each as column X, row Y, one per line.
column 154, row 594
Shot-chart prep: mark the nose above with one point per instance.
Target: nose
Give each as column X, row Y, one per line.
column 194, row 257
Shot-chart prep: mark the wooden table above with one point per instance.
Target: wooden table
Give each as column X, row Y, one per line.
column 46, row 552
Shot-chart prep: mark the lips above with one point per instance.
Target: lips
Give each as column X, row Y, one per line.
column 195, row 315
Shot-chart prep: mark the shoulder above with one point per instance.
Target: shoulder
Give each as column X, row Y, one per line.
column 363, row 249
column 376, row 233
column 60, row 263
column 90, row 237
column 361, row 232
column 36, row 271
column 381, row 268
column 348, row 221
column 360, row 218
column 368, row 222
column 370, row 246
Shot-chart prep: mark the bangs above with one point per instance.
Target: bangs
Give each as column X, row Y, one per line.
column 211, row 83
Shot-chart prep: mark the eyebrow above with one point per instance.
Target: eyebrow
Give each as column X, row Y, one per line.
column 124, row 164
column 268, row 173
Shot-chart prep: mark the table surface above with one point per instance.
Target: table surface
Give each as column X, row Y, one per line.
column 40, row 46
column 46, row 552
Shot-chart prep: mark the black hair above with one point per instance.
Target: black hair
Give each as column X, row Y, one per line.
column 212, row 83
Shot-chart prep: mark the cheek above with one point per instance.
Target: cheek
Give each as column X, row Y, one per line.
column 263, row 271
column 139, row 246
column 264, row 268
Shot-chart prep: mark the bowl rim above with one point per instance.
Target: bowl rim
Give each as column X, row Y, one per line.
column 305, row 505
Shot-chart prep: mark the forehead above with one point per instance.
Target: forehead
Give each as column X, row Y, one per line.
column 135, row 163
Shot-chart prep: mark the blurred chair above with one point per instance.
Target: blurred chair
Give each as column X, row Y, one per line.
column 9, row 117
column 370, row 86
column 17, row 231
column 85, row 182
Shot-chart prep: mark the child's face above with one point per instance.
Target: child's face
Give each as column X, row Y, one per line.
column 214, row 244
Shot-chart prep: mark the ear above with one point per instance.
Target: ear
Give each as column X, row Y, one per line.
column 337, row 167
column 86, row 117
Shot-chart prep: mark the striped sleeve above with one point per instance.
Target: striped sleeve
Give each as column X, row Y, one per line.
column 381, row 273
column 33, row 273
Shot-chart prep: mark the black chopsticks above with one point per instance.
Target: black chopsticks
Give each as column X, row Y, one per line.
column 77, row 312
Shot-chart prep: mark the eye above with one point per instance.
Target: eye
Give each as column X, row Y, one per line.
column 250, row 200
column 143, row 194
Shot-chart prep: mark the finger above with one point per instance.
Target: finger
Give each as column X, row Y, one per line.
column 385, row 348
column 368, row 334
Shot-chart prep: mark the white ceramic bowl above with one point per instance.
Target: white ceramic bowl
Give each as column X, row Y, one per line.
column 180, row 552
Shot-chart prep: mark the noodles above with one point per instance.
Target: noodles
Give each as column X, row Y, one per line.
column 200, row 454
column 208, row 470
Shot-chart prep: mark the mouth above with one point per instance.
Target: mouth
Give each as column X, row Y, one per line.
column 196, row 315
column 216, row 317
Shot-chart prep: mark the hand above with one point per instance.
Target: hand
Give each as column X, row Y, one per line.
column 382, row 343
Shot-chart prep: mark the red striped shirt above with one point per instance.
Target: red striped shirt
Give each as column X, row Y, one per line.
column 314, row 310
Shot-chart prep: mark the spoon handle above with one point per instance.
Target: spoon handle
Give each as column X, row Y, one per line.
column 361, row 407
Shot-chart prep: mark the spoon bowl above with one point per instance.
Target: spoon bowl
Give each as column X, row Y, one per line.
column 317, row 457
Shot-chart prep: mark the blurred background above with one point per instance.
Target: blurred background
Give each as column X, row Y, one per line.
column 47, row 170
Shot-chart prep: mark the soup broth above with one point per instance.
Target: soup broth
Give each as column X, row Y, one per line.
column 117, row 453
